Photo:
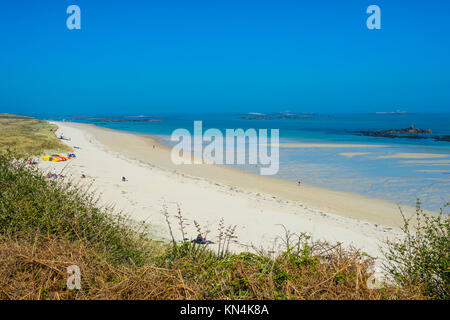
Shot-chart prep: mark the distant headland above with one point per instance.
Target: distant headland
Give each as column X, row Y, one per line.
column 106, row 121
column 273, row 116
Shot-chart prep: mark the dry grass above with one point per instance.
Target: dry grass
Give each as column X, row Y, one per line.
column 26, row 136
column 38, row 271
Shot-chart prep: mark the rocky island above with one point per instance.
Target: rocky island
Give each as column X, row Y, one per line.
column 392, row 133
column 106, row 121
column 409, row 133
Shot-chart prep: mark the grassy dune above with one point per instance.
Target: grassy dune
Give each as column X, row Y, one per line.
column 27, row 136
column 47, row 225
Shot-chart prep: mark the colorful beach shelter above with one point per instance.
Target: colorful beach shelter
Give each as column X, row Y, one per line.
column 56, row 157
column 49, row 158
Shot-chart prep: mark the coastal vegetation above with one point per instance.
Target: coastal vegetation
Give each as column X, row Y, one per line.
column 423, row 255
column 47, row 225
column 26, row 136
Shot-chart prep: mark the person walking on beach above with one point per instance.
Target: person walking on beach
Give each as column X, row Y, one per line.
column 299, row 183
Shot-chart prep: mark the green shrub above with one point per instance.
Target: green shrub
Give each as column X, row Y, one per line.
column 421, row 258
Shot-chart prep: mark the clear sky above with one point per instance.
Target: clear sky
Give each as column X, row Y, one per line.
column 224, row 56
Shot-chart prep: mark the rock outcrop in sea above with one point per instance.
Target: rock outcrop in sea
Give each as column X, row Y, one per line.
column 408, row 133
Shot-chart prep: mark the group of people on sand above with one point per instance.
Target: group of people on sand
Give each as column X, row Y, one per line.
column 53, row 175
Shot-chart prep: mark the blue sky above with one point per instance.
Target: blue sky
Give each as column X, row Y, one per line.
column 212, row 56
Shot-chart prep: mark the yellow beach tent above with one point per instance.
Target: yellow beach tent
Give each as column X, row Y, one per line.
column 49, row 158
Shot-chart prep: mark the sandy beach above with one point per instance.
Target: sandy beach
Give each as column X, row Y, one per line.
column 413, row 156
column 259, row 206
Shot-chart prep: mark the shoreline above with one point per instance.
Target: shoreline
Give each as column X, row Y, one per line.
column 259, row 206
column 344, row 203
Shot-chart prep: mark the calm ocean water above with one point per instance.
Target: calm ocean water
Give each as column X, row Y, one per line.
column 401, row 180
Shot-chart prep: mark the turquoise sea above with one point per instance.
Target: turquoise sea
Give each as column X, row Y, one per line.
column 373, row 173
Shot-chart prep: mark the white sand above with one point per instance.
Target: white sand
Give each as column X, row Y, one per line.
column 413, row 156
column 352, row 154
column 330, row 145
column 427, row 162
column 259, row 206
column 431, row 171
